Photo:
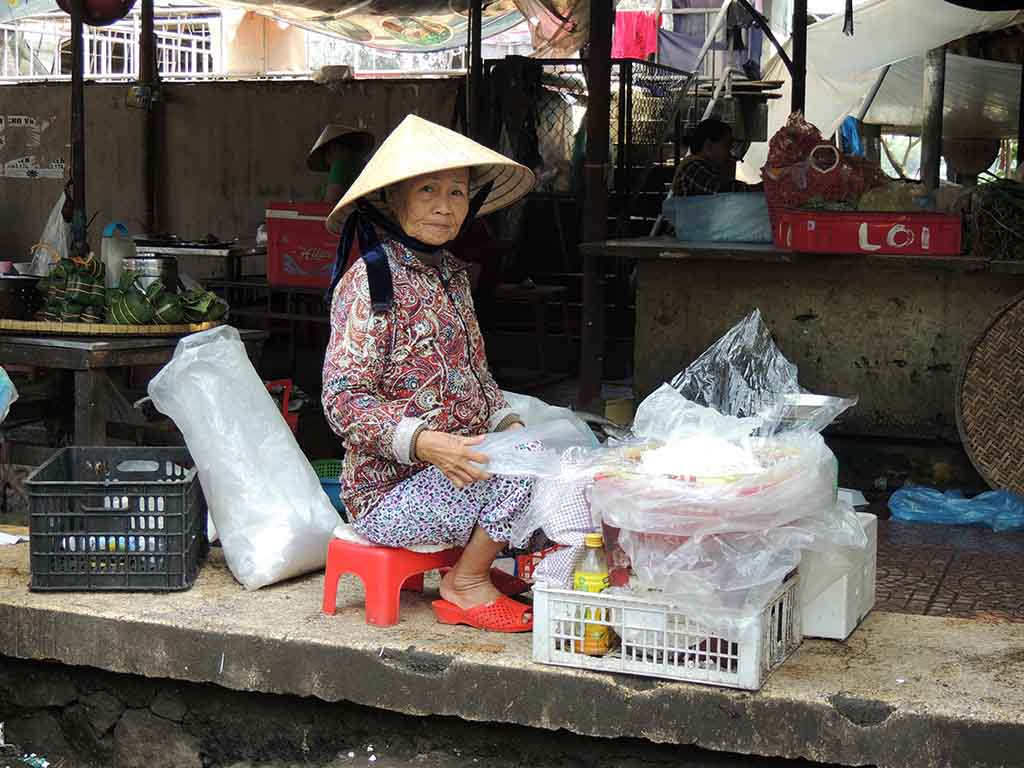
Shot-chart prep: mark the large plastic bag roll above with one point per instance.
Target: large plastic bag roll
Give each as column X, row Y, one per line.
column 272, row 515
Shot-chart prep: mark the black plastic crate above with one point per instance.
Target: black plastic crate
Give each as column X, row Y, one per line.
column 121, row 519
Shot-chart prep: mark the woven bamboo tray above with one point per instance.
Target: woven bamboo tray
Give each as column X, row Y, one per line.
column 101, row 329
column 990, row 400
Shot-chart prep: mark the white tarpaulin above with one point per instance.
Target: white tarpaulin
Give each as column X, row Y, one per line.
column 981, row 98
column 841, row 69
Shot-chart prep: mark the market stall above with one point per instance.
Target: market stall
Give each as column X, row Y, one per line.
column 893, row 329
column 93, row 361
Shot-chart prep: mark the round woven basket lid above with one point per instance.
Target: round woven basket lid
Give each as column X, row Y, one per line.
column 990, row 400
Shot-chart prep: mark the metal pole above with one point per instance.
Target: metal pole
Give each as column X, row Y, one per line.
column 870, row 98
column 799, row 73
column 1020, row 120
column 79, row 245
column 595, row 201
column 931, row 127
column 148, row 75
column 475, row 89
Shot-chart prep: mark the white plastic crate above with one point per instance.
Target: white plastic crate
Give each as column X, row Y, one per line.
column 658, row 640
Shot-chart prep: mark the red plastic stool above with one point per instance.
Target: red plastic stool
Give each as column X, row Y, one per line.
column 384, row 571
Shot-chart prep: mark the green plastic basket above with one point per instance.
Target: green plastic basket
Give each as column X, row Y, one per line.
column 329, row 472
column 327, row 469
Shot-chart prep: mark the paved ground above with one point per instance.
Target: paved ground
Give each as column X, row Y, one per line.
column 900, row 682
column 953, row 571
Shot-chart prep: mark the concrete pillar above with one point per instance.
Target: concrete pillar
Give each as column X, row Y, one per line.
column 931, row 126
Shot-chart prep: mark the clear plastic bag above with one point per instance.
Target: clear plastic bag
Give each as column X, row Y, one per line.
column 742, row 373
column 535, row 412
column 53, row 242
column 738, row 572
column 1000, row 510
column 666, row 415
column 272, row 515
column 535, row 451
column 799, row 475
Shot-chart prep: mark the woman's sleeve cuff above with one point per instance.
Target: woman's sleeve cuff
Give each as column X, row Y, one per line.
column 503, row 419
column 404, row 441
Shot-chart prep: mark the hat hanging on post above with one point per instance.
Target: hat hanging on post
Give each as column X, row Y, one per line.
column 418, row 147
column 357, row 138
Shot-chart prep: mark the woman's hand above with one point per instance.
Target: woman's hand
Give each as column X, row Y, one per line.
column 515, row 426
column 453, row 455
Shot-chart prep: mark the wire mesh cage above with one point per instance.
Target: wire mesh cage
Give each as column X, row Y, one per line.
column 538, row 114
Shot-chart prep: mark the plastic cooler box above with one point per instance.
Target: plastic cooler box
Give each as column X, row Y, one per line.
column 835, row 599
column 911, row 234
column 300, row 250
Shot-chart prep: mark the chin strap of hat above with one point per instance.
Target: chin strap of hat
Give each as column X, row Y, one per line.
column 364, row 223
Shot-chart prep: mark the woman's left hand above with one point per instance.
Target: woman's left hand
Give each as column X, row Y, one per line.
column 513, row 427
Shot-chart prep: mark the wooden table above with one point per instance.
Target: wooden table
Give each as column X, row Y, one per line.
column 98, row 401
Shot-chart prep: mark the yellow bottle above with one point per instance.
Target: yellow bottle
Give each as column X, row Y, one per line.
column 591, row 575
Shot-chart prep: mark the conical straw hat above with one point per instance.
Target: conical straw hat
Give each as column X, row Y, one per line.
column 417, row 147
column 317, row 160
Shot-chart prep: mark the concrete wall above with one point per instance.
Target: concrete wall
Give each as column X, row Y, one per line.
column 895, row 335
column 227, row 148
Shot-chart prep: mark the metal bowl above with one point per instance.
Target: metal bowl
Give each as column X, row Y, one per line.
column 153, row 268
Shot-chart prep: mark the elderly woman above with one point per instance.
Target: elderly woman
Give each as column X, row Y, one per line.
column 406, row 384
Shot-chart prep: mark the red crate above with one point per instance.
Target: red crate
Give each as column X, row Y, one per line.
column 911, row 234
column 300, row 250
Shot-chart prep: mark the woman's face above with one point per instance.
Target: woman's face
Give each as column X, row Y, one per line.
column 432, row 208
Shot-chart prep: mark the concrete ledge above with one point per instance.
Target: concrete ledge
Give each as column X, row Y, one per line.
column 903, row 691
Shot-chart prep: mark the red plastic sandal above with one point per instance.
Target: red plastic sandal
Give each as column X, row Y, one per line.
column 506, row 583
column 501, row 615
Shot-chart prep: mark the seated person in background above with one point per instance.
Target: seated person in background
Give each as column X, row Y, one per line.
column 341, row 152
column 702, row 172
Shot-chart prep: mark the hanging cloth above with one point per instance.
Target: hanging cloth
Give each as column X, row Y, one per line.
column 636, row 35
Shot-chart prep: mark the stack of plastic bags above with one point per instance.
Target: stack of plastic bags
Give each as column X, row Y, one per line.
column 713, row 501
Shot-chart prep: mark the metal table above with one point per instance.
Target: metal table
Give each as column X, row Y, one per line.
column 231, row 253
column 98, row 401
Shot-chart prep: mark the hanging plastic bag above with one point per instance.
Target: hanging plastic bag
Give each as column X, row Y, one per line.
column 1000, row 510
column 53, row 242
column 272, row 515
column 8, row 395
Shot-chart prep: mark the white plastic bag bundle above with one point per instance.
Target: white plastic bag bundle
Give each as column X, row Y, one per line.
column 272, row 515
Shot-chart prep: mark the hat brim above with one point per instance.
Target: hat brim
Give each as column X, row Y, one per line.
column 417, row 148
column 316, row 160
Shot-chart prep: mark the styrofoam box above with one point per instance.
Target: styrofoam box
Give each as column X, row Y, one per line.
column 844, row 594
column 657, row 639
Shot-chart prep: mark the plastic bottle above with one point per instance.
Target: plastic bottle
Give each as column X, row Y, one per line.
column 117, row 246
column 591, row 575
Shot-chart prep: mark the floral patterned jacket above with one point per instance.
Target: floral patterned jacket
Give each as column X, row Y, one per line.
column 389, row 375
